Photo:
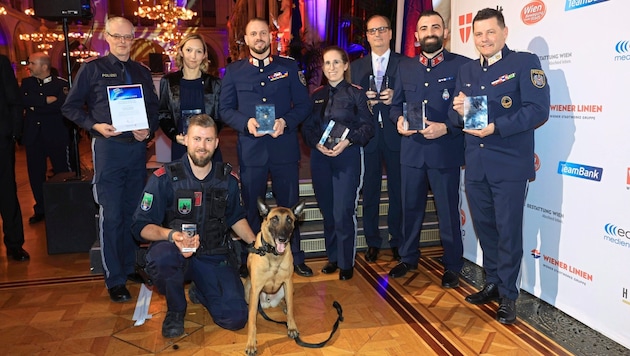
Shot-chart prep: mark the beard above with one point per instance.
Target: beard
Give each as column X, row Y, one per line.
column 264, row 49
column 433, row 46
column 198, row 160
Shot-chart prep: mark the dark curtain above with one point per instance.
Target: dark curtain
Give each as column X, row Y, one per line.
column 413, row 8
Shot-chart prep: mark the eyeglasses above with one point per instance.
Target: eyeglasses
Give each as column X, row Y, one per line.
column 372, row 31
column 118, row 37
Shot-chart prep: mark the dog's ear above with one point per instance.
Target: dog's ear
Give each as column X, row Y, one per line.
column 263, row 209
column 297, row 209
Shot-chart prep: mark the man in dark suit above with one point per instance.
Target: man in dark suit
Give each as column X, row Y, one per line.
column 45, row 130
column 266, row 79
column 10, row 132
column 500, row 157
column 432, row 155
column 384, row 147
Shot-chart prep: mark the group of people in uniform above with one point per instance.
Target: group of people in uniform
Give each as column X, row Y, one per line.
column 188, row 206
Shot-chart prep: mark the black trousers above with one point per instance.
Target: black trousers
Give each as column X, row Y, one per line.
column 9, row 205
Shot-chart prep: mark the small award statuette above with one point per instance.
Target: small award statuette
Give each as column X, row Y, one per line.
column 376, row 86
column 475, row 112
column 333, row 133
column 266, row 117
column 189, row 230
column 414, row 114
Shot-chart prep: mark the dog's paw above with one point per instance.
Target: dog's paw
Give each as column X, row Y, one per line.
column 250, row 350
column 293, row 333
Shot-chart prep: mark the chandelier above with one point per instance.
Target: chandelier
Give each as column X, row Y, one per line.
column 44, row 38
column 166, row 13
column 3, row 11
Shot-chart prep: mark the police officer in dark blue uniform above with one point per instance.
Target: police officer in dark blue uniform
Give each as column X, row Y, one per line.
column 45, row 129
column 198, row 195
column 119, row 157
column 433, row 155
column 266, row 79
column 384, row 147
column 500, row 157
column 337, row 165
column 10, row 133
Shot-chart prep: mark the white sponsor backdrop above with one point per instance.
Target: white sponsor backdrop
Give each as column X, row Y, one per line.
column 577, row 226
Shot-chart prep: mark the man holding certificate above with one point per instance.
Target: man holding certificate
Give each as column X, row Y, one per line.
column 122, row 113
column 432, row 149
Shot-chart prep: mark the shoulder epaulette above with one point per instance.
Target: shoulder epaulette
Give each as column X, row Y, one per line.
column 90, row 59
column 287, row 57
column 357, row 86
column 318, row 88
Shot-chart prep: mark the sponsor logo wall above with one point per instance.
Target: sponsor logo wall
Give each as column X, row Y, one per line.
column 576, row 232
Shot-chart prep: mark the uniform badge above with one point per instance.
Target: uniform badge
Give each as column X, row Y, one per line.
column 198, row 198
column 506, row 102
column 147, row 201
column 184, row 205
column 302, row 78
column 445, row 94
column 538, row 78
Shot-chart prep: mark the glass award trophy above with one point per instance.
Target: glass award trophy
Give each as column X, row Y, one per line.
column 266, row 117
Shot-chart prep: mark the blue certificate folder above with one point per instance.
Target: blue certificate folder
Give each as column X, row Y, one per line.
column 266, row 117
column 475, row 112
column 127, row 108
column 333, row 133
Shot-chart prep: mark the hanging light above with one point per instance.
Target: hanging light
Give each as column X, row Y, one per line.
column 166, row 13
column 43, row 38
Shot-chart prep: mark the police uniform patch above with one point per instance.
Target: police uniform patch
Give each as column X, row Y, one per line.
column 184, row 205
column 506, row 102
column 538, row 78
column 147, row 201
column 302, row 78
column 198, row 196
column 159, row 172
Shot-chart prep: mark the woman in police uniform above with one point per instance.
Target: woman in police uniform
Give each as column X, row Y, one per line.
column 337, row 159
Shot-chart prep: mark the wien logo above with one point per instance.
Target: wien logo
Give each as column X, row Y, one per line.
column 533, row 12
column 535, row 253
column 536, row 162
column 465, row 26
column 622, row 47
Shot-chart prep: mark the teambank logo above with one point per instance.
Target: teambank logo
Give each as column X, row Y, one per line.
column 580, row 171
column 576, row 4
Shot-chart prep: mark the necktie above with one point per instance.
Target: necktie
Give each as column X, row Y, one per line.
column 328, row 115
column 380, row 72
column 125, row 73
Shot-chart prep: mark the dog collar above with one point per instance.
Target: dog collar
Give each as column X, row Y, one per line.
column 264, row 249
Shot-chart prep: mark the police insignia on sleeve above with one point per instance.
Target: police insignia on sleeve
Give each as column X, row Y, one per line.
column 184, row 205
column 302, row 78
column 506, row 102
column 147, row 201
column 538, row 78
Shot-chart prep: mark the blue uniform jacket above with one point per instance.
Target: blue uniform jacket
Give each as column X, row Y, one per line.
column 433, row 83
column 349, row 108
column 518, row 102
column 158, row 197
column 243, row 87
column 41, row 116
column 361, row 70
column 90, row 87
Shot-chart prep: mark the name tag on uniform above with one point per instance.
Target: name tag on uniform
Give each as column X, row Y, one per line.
column 319, row 101
column 109, row 75
column 278, row 75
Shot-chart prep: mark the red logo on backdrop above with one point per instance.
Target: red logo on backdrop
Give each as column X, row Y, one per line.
column 533, row 12
column 536, row 162
column 628, row 177
column 465, row 26
column 462, row 216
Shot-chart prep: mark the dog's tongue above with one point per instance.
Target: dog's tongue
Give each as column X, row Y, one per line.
column 280, row 246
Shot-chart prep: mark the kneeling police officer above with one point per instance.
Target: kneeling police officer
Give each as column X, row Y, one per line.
column 186, row 211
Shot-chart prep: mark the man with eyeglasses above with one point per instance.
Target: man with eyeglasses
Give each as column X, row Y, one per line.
column 430, row 156
column 119, row 157
column 384, row 147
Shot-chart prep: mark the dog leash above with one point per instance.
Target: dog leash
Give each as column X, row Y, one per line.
column 298, row 341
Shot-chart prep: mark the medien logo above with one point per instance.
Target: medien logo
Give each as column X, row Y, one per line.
column 580, row 171
column 616, row 235
column 576, row 4
column 623, row 48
